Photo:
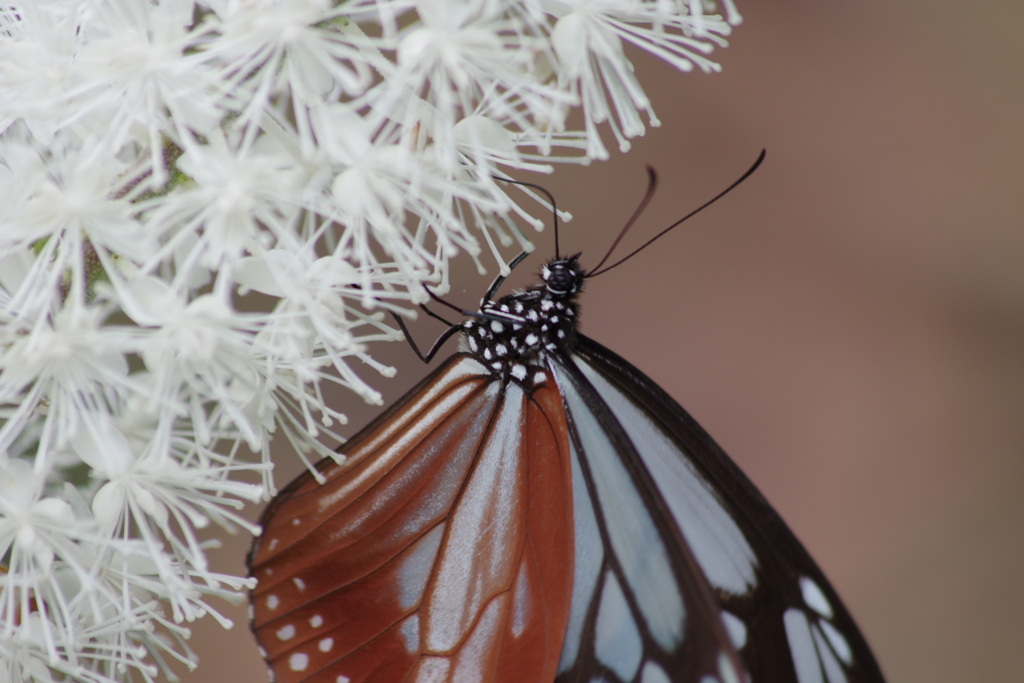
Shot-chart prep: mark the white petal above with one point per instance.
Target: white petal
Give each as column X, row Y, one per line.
column 150, row 505
column 57, row 510
column 149, row 301
column 108, row 503
column 102, row 447
column 480, row 130
column 253, row 272
column 16, row 486
column 569, row 38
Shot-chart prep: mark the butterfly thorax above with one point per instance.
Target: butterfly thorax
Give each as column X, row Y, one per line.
column 514, row 331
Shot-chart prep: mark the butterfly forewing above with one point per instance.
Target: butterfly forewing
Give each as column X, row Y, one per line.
column 440, row 550
column 783, row 616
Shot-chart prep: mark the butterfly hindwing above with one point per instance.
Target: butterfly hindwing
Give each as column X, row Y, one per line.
column 782, row 614
column 641, row 610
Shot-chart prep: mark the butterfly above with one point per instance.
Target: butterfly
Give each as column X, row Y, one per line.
column 537, row 510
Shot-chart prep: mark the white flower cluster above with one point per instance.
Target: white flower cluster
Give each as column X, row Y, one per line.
column 205, row 208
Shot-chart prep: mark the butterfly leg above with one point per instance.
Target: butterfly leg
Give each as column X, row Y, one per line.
column 435, row 316
column 453, row 328
column 501, row 278
column 437, row 344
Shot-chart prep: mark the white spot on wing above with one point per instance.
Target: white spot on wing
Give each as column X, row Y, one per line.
column 316, row 621
column 736, row 629
column 272, row 602
column 298, row 661
column 286, row 632
column 273, row 544
column 801, row 647
column 617, row 642
column 342, row 679
column 299, row 583
column 838, row 642
column 519, row 372
column 814, row 598
column 325, row 645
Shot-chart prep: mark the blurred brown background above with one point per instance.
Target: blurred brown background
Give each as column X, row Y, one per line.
column 848, row 324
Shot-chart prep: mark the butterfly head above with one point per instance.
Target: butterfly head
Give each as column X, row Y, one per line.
column 562, row 276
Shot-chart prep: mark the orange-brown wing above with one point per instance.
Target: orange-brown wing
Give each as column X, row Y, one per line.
column 441, row 550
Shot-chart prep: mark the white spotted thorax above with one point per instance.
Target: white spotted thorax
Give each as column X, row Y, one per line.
column 521, row 325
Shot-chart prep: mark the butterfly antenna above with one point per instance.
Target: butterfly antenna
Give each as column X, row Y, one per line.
column 598, row 271
column 551, row 198
column 652, row 185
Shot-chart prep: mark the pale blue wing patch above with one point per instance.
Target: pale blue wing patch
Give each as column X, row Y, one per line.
column 589, row 557
column 736, row 629
column 715, row 539
column 415, row 569
column 633, row 534
column 616, row 637
column 653, row 673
